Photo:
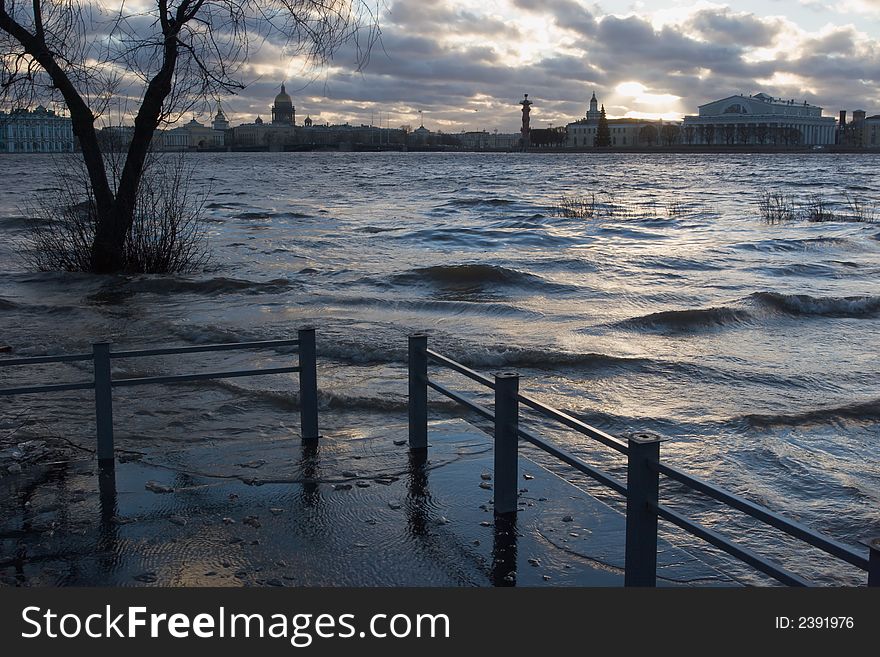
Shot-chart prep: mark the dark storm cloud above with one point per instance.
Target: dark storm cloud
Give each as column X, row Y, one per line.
column 723, row 26
column 436, row 18
column 450, row 62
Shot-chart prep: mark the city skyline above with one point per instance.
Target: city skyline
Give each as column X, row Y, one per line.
column 465, row 64
column 458, row 65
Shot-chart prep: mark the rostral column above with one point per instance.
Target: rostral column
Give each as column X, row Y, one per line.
column 525, row 131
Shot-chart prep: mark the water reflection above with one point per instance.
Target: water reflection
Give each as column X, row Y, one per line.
column 308, row 464
column 417, row 498
column 109, row 505
column 504, row 551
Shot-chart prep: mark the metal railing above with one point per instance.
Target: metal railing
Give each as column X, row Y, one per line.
column 103, row 382
column 641, row 490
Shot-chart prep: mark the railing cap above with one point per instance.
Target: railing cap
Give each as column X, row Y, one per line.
column 418, row 334
column 646, row 438
column 507, row 375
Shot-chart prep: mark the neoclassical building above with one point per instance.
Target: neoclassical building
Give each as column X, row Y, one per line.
column 192, row 136
column 759, row 119
column 37, row 131
column 624, row 133
column 283, row 111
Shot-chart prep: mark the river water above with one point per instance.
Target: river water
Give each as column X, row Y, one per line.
column 751, row 347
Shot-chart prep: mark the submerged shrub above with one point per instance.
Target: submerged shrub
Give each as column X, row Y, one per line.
column 777, row 207
column 168, row 234
column 605, row 205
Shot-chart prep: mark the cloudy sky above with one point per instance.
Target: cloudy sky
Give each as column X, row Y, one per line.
column 466, row 63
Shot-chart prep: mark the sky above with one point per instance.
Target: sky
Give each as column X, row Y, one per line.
column 465, row 64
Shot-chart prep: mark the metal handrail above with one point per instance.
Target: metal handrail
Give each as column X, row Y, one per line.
column 53, row 387
column 574, row 423
column 204, row 376
column 34, row 360
column 229, row 346
column 743, row 554
column 642, row 488
column 104, row 382
column 461, row 369
column 574, row 461
column 768, row 517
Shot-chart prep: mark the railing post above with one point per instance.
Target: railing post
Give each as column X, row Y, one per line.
column 418, row 391
column 308, row 386
column 874, row 562
column 642, row 497
column 506, row 442
column 103, row 404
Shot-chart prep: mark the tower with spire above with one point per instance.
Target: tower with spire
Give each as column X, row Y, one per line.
column 220, row 122
column 593, row 113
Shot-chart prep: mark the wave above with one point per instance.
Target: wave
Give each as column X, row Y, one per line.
column 866, row 411
column 804, row 305
column 472, row 202
column 472, row 276
column 7, row 305
column 372, row 230
column 209, row 287
column 539, row 359
column 687, row 320
column 786, row 245
column 262, row 215
column 476, row 306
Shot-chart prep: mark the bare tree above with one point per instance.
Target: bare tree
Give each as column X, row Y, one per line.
column 179, row 52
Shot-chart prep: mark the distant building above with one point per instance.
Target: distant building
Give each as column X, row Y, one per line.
column 220, row 123
column 190, row 137
column 625, row 133
column 37, row 131
column 861, row 132
column 261, row 135
column 283, row 111
column 476, row 140
column 117, row 138
column 760, row 120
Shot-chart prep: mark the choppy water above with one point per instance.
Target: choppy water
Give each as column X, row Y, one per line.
column 751, row 347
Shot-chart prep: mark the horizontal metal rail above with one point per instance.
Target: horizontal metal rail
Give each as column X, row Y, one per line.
column 790, row 527
column 461, row 369
column 537, row 441
column 743, row 554
column 574, row 461
column 55, row 387
column 574, row 423
column 641, row 493
column 36, row 360
column 162, row 351
column 461, row 399
column 200, row 377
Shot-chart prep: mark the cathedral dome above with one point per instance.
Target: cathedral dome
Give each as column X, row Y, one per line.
column 283, row 99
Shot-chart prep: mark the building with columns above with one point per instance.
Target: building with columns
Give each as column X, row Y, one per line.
column 758, row 120
column 283, row 111
column 37, row 131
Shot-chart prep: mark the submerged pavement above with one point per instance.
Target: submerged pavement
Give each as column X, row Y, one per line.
column 358, row 510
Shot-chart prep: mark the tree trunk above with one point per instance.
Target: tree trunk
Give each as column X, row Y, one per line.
column 108, row 249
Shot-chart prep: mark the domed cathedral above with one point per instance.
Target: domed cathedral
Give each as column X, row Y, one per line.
column 283, row 111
